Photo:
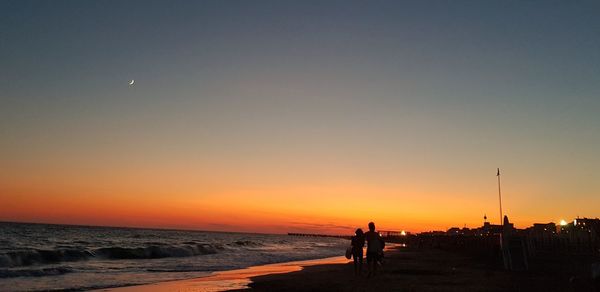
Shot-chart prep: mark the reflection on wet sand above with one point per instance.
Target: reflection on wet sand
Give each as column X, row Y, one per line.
column 230, row 280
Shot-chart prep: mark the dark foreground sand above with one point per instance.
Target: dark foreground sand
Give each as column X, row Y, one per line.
column 404, row 269
column 407, row 269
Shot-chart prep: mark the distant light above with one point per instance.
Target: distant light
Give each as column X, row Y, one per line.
column 403, row 233
column 563, row 222
column 575, row 222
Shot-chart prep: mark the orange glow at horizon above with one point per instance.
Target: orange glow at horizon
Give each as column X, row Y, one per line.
column 324, row 208
column 303, row 190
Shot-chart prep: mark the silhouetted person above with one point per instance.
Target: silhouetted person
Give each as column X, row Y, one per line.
column 358, row 242
column 375, row 245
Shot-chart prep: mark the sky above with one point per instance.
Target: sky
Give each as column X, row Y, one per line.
column 298, row 116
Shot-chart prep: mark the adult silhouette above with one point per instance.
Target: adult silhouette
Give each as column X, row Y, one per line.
column 375, row 245
column 358, row 242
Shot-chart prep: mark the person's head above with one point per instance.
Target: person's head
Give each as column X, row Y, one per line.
column 371, row 226
column 359, row 232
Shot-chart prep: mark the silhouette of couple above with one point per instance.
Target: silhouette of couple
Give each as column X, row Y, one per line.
column 375, row 245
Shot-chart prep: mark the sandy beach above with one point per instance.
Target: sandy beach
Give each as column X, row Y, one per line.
column 404, row 269
column 412, row 269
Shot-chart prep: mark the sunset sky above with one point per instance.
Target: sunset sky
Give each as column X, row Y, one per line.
column 298, row 116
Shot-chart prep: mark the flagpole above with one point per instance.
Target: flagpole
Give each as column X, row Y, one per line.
column 500, row 197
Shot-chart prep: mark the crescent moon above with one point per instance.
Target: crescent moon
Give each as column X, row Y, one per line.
column 131, row 82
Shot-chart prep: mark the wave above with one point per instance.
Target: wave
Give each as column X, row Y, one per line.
column 247, row 243
column 5, row 273
column 156, row 252
column 36, row 256
column 31, row 257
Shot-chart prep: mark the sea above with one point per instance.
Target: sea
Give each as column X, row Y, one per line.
column 42, row 257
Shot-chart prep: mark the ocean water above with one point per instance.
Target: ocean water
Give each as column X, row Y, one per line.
column 44, row 257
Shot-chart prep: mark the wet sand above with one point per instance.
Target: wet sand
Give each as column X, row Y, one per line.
column 230, row 280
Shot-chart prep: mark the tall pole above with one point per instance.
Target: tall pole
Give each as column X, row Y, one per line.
column 500, row 197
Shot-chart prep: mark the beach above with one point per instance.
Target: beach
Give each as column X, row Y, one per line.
column 404, row 269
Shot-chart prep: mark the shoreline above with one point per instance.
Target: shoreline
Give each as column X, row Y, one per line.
column 230, row 280
column 240, row 279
